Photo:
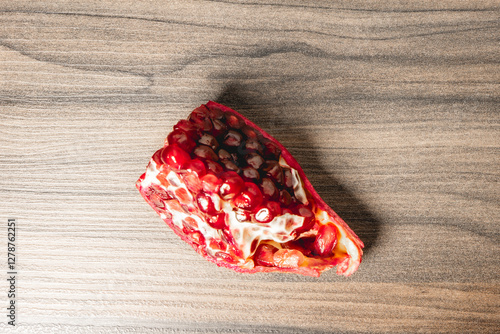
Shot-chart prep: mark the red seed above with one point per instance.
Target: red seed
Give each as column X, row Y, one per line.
column 174, row 156
column 197, row 166
column 253, row 145
column 181, row 138
column 205, row 203
column 229, row 165
column 188, row 127
column 232, row 184
column 249, row 198
column 157, row 157
column 326, row 240
column 215, row 113
column 242, row 216
column 264, row 255
column 217, row 221
column 249, row 132
column 210, row 183
column 205, row 152
column 263, row 215
column 287, row 176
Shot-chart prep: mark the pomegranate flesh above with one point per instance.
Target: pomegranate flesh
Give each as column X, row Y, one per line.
column 240, row 199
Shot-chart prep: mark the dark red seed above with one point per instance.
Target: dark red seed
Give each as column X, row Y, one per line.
column 273, row 169
column 264, row 255
column 200, row 117
column 174, row 156
column 197, row 166
column 287, row 176
column 326, row 240
column 205, row 152
column 215, row 113
column 219, row 127
column 224, row 155
column 254, row 160
column 249, row 132
column 274, row 207
column 229, row 165
column 272, row 151
column 249, row 198
column 250, row 173
column 269, row 188
column 232, row 184
column 209, row 140
column 233, row 121
column 205, row 203
column 217, row 221
column 253, row 146
column 233, row 138
column 181, row 138
column 285, row 198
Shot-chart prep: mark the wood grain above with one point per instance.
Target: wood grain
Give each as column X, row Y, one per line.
column 390, row 107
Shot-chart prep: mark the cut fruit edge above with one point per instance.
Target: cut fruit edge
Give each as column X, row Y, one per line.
column 347, row 263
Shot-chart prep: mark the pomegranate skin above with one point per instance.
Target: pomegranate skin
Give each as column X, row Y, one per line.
column 347, row 253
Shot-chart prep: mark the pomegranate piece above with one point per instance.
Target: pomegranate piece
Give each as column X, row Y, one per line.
column 240, row 199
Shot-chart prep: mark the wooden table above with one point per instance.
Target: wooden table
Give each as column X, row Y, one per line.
column 391, row 107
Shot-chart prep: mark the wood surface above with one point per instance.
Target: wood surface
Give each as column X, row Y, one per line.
column 391, row 107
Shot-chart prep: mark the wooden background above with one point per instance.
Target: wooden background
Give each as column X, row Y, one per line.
column 391, row 107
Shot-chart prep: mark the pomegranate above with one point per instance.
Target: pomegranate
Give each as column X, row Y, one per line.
column 240, row 199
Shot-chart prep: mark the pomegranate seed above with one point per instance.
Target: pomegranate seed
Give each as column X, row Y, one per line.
column 217, row 221
column 209, row 140
column 273, row 169
column 157, row 157
column 181, row 138
column 215, row 113
column 190, row 224
column 205, row 152
column 242, row 216
column 287, row 176
column 326, row 240
column 200, row 117
column 250, row 173
column 231, row 185
column 224, row 155
column 214, row 167
column 249, row 132
column 288, row 258
column 233, row 121
column 210, row 183
column 254, row 160
column 263, row 215
column 205, row 203
column 249, row 198
column 229, row 165
column 264, row 255
column 269, row 188
column 233, row 138
column 285, row 198
column 188, row 127
column 272, row 151
column 219, row 127
column 274, row 207
column 308, row 215
column 197, row 166
column 253, row 146
column 174, row 156
column 286, row 210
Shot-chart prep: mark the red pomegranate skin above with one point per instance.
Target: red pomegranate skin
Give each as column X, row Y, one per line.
column 242, row 201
